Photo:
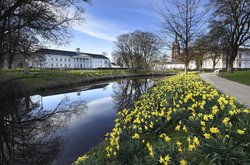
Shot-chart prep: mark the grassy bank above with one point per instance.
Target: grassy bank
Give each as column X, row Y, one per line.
column 181, row 120
column 20, row 81
column 238, row 76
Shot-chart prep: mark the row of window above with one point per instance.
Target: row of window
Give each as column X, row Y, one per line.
column 58, row 59
column 59, row 65
column 76, row 66
column 75, row 60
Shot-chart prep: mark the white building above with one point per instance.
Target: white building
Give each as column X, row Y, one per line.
column 242, row 61
column 173, row 62
column 50, row 58
column 175, row 65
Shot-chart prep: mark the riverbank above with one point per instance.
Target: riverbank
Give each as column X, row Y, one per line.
column 181, row 120
column 20, row 81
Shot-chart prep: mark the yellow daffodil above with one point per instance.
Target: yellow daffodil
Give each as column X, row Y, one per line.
column 207, row 135
column 136, row 136
column 240, row 131
column 214, row 130
column 183, row 162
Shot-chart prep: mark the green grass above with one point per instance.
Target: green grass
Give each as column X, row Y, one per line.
column 242, row 77
column 16, row 80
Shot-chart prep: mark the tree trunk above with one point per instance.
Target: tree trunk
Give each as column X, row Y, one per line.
column 23, row 62
column 200, row 66
column 9, row 65
column 214, row 63
column 10, row 61
column 185, row 68
column 2, row 57
column 230, row 66
column 227, row 60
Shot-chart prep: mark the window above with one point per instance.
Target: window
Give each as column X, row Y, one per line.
column 51, row 58
column 60, row 64
column 240, row 56
column 51, row 65
column 56, row 59
column 69, row 59
column 60, row 59
column 65, row 59
column 239, row 64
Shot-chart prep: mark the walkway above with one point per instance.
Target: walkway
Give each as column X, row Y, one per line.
column 242, row 92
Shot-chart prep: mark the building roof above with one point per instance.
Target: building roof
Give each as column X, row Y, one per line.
column 69, row 53
column 96, row 55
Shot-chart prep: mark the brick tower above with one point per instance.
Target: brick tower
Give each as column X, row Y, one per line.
column 175, row 50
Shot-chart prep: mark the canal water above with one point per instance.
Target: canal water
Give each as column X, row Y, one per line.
column 57, row 127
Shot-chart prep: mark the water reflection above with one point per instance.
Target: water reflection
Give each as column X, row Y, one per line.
column 57, row 127
column 128, row 91
column 28, row 133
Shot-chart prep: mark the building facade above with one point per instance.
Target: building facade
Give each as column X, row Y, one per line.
column 242, row 61
column 50, row 58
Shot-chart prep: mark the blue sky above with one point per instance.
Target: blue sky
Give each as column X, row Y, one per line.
column 106, row 19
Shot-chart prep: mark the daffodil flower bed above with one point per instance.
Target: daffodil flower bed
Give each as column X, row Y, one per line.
column 181, row 120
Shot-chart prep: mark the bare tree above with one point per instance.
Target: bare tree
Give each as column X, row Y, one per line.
column 209, row 46
column 200, row 50
column 47, row 20
column 19, row 45
column 233, row 17
column 184, row 20
column 215, row 45
column 137, row 49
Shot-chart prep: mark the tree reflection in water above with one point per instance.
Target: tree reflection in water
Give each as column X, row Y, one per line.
column 28, row 133
column 128, row 91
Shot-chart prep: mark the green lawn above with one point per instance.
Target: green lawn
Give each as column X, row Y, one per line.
column 18, row 81
column 238, row 76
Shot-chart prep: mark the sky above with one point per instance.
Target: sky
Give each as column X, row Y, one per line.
column 107, row 19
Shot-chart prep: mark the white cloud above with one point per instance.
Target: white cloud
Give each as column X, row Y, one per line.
column 100, row 28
